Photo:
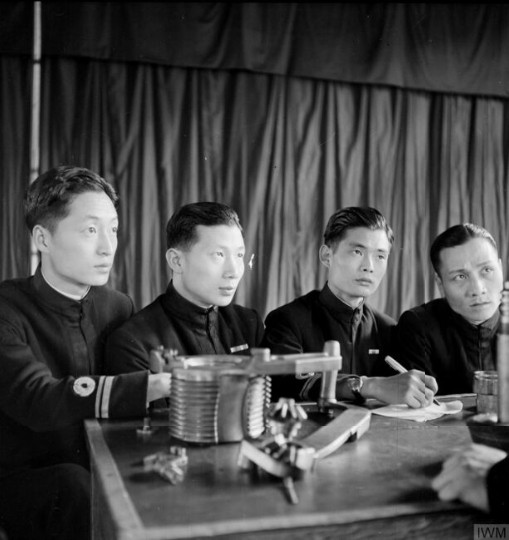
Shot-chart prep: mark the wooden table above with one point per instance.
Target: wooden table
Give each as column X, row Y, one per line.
column 376, row 487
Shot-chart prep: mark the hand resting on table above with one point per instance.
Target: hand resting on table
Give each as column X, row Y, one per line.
column 464, row 473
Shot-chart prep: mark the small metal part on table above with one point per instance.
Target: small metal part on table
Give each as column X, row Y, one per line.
column 287, row 458
column 289, row 487
column 146, row 430
column 171, row 465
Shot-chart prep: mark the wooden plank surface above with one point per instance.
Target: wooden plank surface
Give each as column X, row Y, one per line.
column 378, row 486
column 113, row 513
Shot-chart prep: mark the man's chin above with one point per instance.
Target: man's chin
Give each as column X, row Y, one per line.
column 223, row 302
column 98, row 281
column 482, row 315
column 365, row 290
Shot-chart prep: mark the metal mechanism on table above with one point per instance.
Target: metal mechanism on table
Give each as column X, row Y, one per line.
column 226, row 398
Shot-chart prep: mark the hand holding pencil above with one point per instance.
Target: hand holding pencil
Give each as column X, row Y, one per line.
column 413, row 388
column 396, row 366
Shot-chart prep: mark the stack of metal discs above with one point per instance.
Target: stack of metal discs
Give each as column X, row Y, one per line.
column 214, row 399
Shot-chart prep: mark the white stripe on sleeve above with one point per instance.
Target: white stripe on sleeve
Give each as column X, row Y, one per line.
column 98, row 396
column 105, row 401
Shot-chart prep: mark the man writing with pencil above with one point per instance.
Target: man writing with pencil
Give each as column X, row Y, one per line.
column 357, row 244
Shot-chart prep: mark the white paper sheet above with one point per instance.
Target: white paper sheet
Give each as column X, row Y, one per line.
column 420, row 415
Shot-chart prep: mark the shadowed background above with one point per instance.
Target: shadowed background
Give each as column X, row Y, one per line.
column 286, row 112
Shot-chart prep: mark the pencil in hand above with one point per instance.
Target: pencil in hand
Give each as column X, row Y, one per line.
column 396, row 366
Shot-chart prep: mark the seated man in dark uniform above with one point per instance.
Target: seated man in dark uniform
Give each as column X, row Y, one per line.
column 453, row 336
column 195, row 315
column 52, row 329
column 357, row 243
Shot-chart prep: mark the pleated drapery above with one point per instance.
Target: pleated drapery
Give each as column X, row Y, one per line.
column 285, row 152
column 442, row 47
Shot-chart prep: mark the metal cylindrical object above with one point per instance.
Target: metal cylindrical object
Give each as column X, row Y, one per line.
column 503, row 357
column 328, row 380
column 486, row 388
column 214, row 400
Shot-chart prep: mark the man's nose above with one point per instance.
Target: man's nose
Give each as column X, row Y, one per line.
column 367, row 263
column 107, row 243
column 477, row 286
column 233, row 267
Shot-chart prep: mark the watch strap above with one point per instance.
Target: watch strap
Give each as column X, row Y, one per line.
column 355, row 384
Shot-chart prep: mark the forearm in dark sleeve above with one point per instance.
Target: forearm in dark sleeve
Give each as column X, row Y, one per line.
column 498, row 489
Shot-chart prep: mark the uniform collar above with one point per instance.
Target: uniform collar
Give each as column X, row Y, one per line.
column 186, row 309
column 339, row 309
column 56, row 301
column 75, row 297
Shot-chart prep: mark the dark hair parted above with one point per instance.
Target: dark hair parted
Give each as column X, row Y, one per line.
column 352, row 217
column 457, row 235
column 181, row 227
column 48, row 197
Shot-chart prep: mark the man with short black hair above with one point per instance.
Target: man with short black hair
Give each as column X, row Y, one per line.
column 52, row 329
column 195, row 315
column 357, row 244
column 453, row 336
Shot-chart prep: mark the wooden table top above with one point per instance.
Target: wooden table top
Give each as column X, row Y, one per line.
column 377, row 483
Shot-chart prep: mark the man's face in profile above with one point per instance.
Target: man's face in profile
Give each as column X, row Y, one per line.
column 471, row 279
column 211, row 270
column 357, row 264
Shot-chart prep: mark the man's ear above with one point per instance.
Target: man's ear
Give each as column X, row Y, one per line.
column 438, row 281
column 325, row 255
column 41, row 236
column 174, row 260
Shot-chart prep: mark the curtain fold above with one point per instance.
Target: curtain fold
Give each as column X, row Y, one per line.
column 284, row 152
column 443, row 47
column 14, row 164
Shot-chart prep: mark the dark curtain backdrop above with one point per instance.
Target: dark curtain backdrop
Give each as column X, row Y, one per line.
column 14, row 164
column 444, row 47
column 284, row 151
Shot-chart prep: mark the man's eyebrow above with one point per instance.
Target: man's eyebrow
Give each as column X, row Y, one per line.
column 359, row 245
column 225, row 246
column 478, row 265
column 457, row 270
column 98, row 218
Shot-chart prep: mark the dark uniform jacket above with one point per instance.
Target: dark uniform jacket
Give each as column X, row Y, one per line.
column 440, row 342
column 175, row 323
column 304, row 325
column 498, row 489
column 50, row 360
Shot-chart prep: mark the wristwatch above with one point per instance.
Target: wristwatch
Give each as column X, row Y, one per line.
column 355, row 384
